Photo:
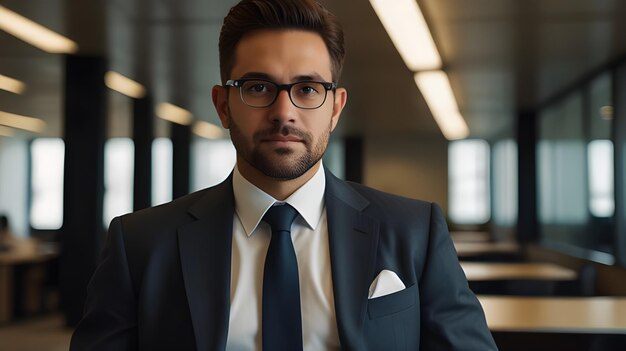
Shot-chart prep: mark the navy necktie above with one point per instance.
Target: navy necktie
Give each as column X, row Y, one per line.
column 282, row 320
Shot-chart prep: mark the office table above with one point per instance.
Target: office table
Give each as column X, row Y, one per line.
column 597, row 315
column 22, row 251
column 478, row 271
column 464, row 249
column 470, row 237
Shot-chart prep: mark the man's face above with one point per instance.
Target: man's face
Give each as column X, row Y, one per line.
column 281, row 141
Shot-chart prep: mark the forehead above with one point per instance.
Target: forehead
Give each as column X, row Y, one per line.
column 282, row 55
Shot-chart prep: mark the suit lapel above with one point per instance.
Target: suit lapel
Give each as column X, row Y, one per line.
column 205, row 249
column 353, row 241
column 205, row 252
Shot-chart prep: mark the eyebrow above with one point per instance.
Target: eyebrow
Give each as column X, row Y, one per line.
column 299, row 78
column 258, row 75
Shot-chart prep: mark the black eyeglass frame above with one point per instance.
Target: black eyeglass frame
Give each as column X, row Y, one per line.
column 238, row 83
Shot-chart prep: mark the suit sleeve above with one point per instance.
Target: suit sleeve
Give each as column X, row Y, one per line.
column 109, row 318
column 452, row 317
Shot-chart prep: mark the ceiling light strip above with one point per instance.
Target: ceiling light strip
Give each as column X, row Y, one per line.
column 124, row 85
column 207, row 130
column 12, row 85
column 404, row 22
column 30, row 124
column 35, row 34
column 173, row 113
column 6, row 131
column 436, row 89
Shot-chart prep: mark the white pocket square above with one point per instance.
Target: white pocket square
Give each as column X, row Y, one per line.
column 387, row 282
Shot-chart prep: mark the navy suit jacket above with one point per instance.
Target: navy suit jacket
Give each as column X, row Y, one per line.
column 164, row 279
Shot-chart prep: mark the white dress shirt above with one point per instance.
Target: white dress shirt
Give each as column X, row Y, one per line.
column 251, row 238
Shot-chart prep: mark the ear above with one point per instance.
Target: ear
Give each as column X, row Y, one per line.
column 219, row 95
column 340, row 99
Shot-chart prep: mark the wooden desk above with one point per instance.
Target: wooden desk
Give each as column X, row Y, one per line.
column 597, row 315
column 465, row 249
column 470, row 237
column 475, row 271
column 22, row 251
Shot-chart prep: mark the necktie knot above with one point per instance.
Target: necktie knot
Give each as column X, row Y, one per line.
column 280, row 217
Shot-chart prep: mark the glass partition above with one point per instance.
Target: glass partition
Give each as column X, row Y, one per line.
column 504, row 175
column 575, row 175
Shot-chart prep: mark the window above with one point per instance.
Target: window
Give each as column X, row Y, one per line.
column 505, row 183
column 600, row 168
column 212, row 162
column 118, row 178
column 468, row 167
column 162, row 158
column 47, row 162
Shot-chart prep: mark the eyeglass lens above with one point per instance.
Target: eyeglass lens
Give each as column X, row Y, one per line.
column 259, row 93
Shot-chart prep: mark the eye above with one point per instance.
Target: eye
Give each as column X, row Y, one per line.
column 256, row 88
column 308, row 89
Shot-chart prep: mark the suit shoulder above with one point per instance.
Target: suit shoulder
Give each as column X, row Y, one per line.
column 166, row 218
column 383, row 199
column 167, row 212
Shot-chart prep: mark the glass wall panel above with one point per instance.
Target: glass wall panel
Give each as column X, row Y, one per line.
column 575, row 171
column 504, row 172
column 561, row 169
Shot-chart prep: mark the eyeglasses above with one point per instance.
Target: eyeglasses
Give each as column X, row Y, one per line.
column 262, row 93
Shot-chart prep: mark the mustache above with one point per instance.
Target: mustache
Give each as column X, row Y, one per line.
column 284, row 130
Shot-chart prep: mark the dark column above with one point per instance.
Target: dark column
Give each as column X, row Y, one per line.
column 527, row 177
column 181, row 144
column 619, row 138
column 354, row 159
column 82, row 233
column 143, row 135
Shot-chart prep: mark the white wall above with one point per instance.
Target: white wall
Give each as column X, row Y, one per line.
column 14, row 183
column 408, row 166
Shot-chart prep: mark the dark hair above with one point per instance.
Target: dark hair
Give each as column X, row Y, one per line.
column 251, row 15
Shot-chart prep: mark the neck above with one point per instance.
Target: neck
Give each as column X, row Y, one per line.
column 280, row 189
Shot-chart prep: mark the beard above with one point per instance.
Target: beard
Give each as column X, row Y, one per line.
column 281, row 163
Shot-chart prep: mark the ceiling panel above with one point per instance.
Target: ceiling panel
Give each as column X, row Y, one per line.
column 506, row 56
column 502, row 56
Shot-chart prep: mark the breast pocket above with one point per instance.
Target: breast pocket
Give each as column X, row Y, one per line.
column 392, row 303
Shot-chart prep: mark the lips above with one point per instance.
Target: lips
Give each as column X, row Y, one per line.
column 282, row 138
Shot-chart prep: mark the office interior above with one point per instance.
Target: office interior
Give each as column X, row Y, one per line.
column 534, row 176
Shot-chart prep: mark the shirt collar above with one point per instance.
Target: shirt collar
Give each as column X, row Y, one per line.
column 251, row 203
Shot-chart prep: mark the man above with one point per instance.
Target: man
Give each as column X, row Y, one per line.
column 359, row 270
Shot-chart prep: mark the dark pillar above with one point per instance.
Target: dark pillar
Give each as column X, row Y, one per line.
column 354, row 159
column 181, row 144
column 85, row 126
column 143, row 135
column 527, row 177
column 619, row 138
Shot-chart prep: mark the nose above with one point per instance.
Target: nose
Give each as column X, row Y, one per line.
column 283, row 110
